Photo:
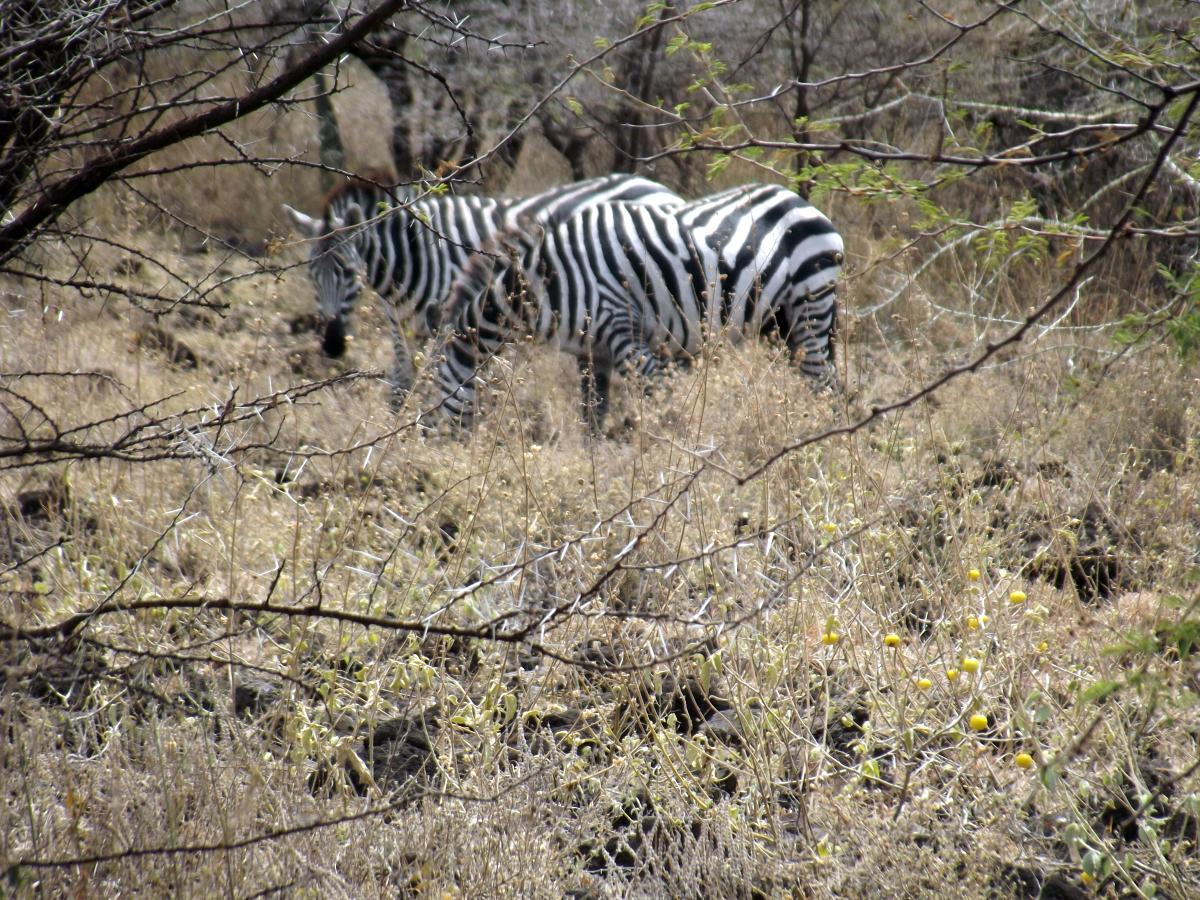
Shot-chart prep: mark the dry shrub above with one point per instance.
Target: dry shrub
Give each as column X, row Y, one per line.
column 785, row 768
column 725, row 688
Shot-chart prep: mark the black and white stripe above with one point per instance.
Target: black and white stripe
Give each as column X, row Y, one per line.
column 411, row 251
column 616, row 285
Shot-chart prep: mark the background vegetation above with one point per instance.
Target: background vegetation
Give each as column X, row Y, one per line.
column 260, row 635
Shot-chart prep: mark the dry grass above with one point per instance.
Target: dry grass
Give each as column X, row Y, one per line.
column 687, row 724
column 832, row 771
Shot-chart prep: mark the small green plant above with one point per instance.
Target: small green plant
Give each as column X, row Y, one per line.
column 1181, row 325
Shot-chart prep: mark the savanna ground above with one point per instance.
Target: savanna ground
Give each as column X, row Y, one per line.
column 949, row 652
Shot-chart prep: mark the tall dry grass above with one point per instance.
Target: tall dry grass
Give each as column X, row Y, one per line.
column 784, row 762
column 759, row 687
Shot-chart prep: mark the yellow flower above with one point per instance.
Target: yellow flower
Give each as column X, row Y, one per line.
column 924, row 684
column 951, row 674
column 891, row 640
column 973, row 574
column 1017, row 597
column 979, row 722
column 1043, row 646
column 1024, row 760
column 972, row 622
column 830, row 638
column 970, row 664
column 830, row 527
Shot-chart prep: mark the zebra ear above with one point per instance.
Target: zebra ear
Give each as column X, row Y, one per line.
column 509, row 245
column 516, row 242
column 353, row 215
column 306, row 225
column 529, row 228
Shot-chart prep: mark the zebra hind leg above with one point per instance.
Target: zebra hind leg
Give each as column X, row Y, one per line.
column 811, row 339
column 457, row 376
column 595, row 379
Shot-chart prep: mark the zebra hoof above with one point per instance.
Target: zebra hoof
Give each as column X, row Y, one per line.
column 334, row 342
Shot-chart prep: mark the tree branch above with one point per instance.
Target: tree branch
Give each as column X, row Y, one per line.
column 58, row 196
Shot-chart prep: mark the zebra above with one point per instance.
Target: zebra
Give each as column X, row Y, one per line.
column 615, row 284
column 410, row 251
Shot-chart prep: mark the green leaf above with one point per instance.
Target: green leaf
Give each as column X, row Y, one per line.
column 1098, row 865
column 717, row 166
column 676, row 43
column 1050, row 776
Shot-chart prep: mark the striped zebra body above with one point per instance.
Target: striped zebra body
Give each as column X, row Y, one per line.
column 410, row 252
column 615, row 285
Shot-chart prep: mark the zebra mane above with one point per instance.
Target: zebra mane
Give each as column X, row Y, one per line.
column 368, row 182
column 523, row 234
column 514, row 246
column 477, row 272
column 369, row 188
column 508, row 246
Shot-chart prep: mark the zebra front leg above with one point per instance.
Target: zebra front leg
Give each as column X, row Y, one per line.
column 636, row 358
column 401, row 378
column 458, row 375
column 595, row 378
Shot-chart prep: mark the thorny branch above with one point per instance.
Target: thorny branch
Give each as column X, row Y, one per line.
column 55, row 197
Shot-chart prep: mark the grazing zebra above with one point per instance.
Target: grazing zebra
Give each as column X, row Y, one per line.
column 410, row 251
column 614, row 284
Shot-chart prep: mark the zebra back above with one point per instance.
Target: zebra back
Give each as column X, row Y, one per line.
column 411, row 250
column 552, row 206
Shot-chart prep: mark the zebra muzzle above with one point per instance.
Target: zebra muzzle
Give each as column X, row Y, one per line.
column 334, row 342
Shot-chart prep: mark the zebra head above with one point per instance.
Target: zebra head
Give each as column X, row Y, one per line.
column 336, row 266
column 492, row 287
column 500, row 273
column 810, row 321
